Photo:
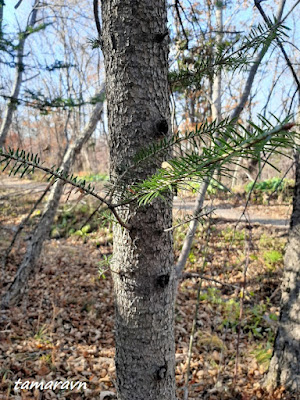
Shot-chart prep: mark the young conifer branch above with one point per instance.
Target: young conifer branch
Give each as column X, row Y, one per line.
column 187, row 167
column 29, row 163
column 198, row 166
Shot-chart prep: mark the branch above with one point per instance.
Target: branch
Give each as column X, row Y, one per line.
column 177, row 5
column 147, row 190
column 189, row 219
column 196, row 165
column 267, row 21
column 18, row 4
column 30, row 162
column 97, row 21
column 189, row 275
column 291, row 10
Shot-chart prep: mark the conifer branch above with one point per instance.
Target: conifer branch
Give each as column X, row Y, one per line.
column 27, row 163
column 195, row 165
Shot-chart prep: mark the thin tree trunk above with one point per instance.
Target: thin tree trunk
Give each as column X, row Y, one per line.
column 235, row 175
column 20, row 228
column 86, row 160
column 42, row 230
column 216, row 106
column 2, row 4
column 135, row 46
column 203, row 188
column 284, row 368
column 13, row 99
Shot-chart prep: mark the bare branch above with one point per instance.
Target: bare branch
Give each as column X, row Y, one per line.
column 18, row 4
column 268, row 22
column 97, row 20
column 177, row 6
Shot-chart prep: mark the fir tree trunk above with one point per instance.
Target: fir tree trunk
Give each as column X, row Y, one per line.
column 135, row 46
column 285, row 363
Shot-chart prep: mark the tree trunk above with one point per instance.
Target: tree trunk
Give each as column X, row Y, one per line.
column 135, row 46
column 285, row 363
column 42, row 230
column 216, row 106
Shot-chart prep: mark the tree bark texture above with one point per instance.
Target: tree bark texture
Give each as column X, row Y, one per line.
column 135, row 46
column 43, row 228
column 284, row 368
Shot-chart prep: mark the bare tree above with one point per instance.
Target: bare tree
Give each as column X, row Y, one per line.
column 13, row 98
column 43, row 228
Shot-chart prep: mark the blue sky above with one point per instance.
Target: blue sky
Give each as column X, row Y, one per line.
column 12, row 17
column 237, row 15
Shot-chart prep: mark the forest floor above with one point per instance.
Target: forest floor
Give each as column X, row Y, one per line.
column 64, row 327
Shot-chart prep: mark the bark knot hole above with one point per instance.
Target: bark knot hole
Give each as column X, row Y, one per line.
column 161, row 127
column 159, row 37
column 163, row 280
column 161, row 372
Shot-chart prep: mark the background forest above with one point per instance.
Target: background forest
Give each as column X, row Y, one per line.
column 226, row 151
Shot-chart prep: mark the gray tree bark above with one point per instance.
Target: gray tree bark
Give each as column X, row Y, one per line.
column 13, row 100
column 42, row 230
column 284, row 368
column 135, row 46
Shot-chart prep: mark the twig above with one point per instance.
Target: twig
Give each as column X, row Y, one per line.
column 97, row 20
column 59, row 175
column 177, row 5
column 280, row 182
column 292, row 101
column 188, row 275
column 292, row 9
column 267, row 21
column 18, row 4
column 191, row 218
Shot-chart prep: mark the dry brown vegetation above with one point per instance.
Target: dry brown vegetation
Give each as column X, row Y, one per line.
column 64, row 327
